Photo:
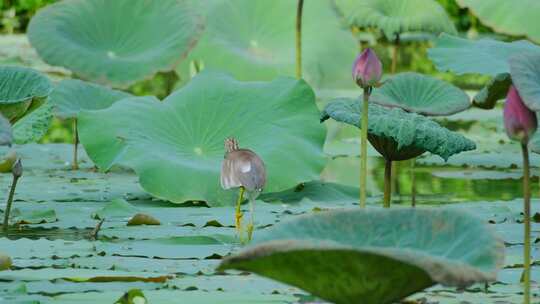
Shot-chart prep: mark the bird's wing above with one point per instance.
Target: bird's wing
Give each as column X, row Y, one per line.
column 228, row 177
column 252, row 174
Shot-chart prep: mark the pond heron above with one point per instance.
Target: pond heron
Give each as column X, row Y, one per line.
column 244, row 169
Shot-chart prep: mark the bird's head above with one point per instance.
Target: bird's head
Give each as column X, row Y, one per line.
column 231, row 144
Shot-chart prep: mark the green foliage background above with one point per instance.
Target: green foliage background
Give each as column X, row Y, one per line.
column 15, row 15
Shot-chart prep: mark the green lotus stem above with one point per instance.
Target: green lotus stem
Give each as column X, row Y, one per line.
column 527, row 226
column 387, row 183
column 16, row 176
column 299, row 39
column 75, row 162
column 395, row 54
column 413, row 183
column 363, row 147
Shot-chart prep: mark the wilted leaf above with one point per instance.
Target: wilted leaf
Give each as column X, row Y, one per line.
column 176, row 146
column 421, row 94
column 5, row 262
column 374, row 256
column 143, row 219
column 114, row 49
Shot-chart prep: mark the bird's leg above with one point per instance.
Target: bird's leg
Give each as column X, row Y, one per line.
column 250, row 225
column 238, row 215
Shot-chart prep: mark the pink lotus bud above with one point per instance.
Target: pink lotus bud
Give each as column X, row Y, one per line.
column 519, row 121
column 367, row 69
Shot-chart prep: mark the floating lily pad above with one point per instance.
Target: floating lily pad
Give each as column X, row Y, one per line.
column 130, row 40
column 254, row 40
column 23, row 90
column 116, row 208
column 495, row 90
column 520, row 19
column 525, row 70
column 396, row 16
column 188, row 128
column 72, row 96
column 374, row 256
column 409, row 131
column 33, row 126
column 6, row 133
column 484, row 56
column 34, row 217
column 421, row 94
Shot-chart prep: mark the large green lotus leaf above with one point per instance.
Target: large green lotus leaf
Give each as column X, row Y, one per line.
column 495, row 90
column 115, row 42
column 525, row 70
column 72, row 96
column 397, row 16
column 484, row 56
column 255, row 40
column 107, row 149
column 33, row 126
column 406, row 129
column 176, row 146
column 21, row 91
column 374, row 256
column 421, row 94
column 6, row 132
column 518, row 18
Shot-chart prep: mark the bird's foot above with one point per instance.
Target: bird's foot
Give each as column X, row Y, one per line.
column 238, row 221
column 250, row 231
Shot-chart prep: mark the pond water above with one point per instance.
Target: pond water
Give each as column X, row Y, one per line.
column 55, row 262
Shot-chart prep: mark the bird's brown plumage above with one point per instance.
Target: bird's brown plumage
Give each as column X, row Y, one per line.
column 242, row 167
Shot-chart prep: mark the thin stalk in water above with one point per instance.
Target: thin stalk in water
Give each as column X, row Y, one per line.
column 527, row 226
column 393, row 68
column 413, row 183
column 299, row 39
column 75, row 162
column 363, row 147
column 395, row 54
column 387, row 183
column 17, row 173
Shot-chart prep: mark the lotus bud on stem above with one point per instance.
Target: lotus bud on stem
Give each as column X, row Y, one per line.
column 16, row 171
column 367, row 72
column 520, row 123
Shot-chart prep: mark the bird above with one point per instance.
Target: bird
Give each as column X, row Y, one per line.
column 243, row 169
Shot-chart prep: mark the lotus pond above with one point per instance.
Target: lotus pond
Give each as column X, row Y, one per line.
column 131, row 129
